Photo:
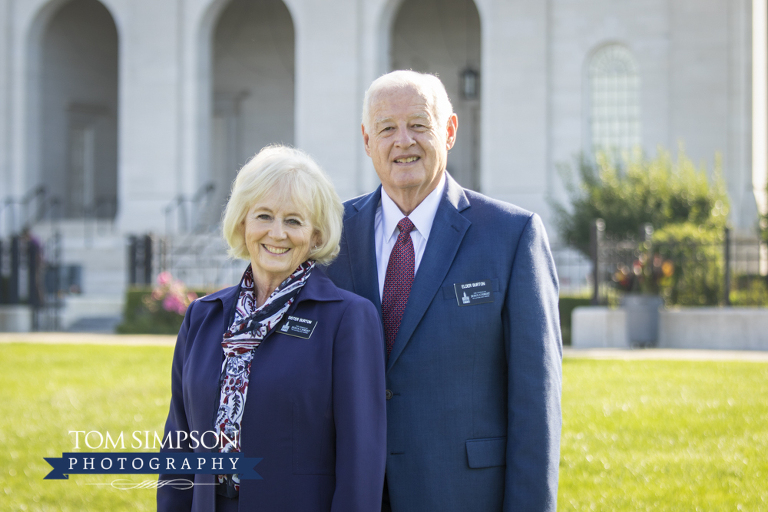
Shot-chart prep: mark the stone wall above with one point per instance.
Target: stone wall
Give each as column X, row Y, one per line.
column 689, row 328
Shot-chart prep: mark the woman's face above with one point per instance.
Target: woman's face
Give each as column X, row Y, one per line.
column 279, row 236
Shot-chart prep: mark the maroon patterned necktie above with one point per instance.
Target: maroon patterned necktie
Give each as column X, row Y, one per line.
column 397, row 283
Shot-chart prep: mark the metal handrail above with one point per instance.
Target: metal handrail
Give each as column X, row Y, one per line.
column 37, row 192
column 184, row 206
column 202, row 196
column 91, row 216
column 175, row 204
column 32, row 194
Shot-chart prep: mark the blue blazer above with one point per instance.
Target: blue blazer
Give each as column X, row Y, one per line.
column 315, row 409
column 473, row 405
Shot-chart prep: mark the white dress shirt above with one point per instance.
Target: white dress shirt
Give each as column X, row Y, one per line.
column 388, row 214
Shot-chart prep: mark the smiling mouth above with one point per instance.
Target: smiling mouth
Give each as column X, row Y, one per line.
column 275, row 250
column 406, row 160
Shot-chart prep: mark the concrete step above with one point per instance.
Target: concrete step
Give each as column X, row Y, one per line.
column 106, row 307
column 97, row 324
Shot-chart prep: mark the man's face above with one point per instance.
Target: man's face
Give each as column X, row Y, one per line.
column 408, row 148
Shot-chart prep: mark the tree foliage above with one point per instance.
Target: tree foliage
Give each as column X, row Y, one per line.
column 631, row 192
column 697, row 254
column 763, row 224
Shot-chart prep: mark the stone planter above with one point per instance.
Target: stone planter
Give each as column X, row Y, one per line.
column 642, row 319
column 15, row 318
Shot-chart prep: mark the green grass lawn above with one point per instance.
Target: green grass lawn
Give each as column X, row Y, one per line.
column 639, row 435
column 664, row 435
column 48, row 390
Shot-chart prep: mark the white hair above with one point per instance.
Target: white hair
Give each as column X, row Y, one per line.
column 429, row 85
column 277, row 169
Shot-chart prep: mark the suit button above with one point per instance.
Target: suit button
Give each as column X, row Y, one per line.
column 389, row 394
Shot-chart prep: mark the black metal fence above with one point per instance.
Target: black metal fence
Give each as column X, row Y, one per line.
column 142, row 261
column 31, row 274
column 199, row 260
column 718, row 269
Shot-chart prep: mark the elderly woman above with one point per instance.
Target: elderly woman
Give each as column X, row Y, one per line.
column 285, row 364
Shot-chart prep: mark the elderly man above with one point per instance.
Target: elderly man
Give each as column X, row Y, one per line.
column 467, row 291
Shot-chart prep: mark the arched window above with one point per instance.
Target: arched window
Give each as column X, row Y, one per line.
column 615, row 99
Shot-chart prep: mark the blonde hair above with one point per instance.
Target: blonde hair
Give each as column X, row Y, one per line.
column 429, row 85
column 280, row 169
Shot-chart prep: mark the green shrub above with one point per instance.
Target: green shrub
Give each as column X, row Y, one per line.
column 137, row 319
column 754, row 293
column 763, row 224
column 159, row 309
column 637, row 191
column 697, row 254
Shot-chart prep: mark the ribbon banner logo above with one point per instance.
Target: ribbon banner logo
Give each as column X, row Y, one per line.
column 99, row 463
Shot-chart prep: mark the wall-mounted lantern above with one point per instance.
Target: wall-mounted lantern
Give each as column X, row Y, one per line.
column 469, row 83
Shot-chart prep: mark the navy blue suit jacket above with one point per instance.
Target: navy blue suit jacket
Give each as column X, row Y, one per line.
column 474, row 415
column 315, row 409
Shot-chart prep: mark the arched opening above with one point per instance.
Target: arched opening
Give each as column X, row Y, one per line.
column 76, row 128
column 442, row 37
column 252, row 87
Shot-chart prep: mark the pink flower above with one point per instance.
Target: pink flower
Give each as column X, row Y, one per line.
column 171, row 293
column 164, row 278
column 171, row 303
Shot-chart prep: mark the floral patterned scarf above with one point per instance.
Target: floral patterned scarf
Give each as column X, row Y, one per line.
column 250, row 326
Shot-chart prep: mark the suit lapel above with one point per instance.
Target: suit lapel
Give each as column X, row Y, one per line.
column 446, row 235
column 362, row 248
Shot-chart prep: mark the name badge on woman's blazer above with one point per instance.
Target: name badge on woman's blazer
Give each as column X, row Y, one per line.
column 299, row 327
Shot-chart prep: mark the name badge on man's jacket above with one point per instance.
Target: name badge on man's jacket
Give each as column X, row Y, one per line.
column 476, row 292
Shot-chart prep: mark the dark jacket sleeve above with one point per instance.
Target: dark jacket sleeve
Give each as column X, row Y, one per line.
column 169, row 498
column 359, row 409
column 534, row 358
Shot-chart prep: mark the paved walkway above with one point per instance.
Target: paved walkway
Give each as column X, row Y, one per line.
column 667, row 353
column 592, row 353
column 88, row 338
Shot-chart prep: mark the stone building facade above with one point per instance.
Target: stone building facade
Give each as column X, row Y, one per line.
column 122, row 107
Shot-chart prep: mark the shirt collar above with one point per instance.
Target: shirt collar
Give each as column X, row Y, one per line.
column 422, row 217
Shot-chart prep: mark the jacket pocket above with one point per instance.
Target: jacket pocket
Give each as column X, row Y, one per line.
column 487, row 452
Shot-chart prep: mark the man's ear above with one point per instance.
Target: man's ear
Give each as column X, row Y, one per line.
column 452, row 128
column 366, row 138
